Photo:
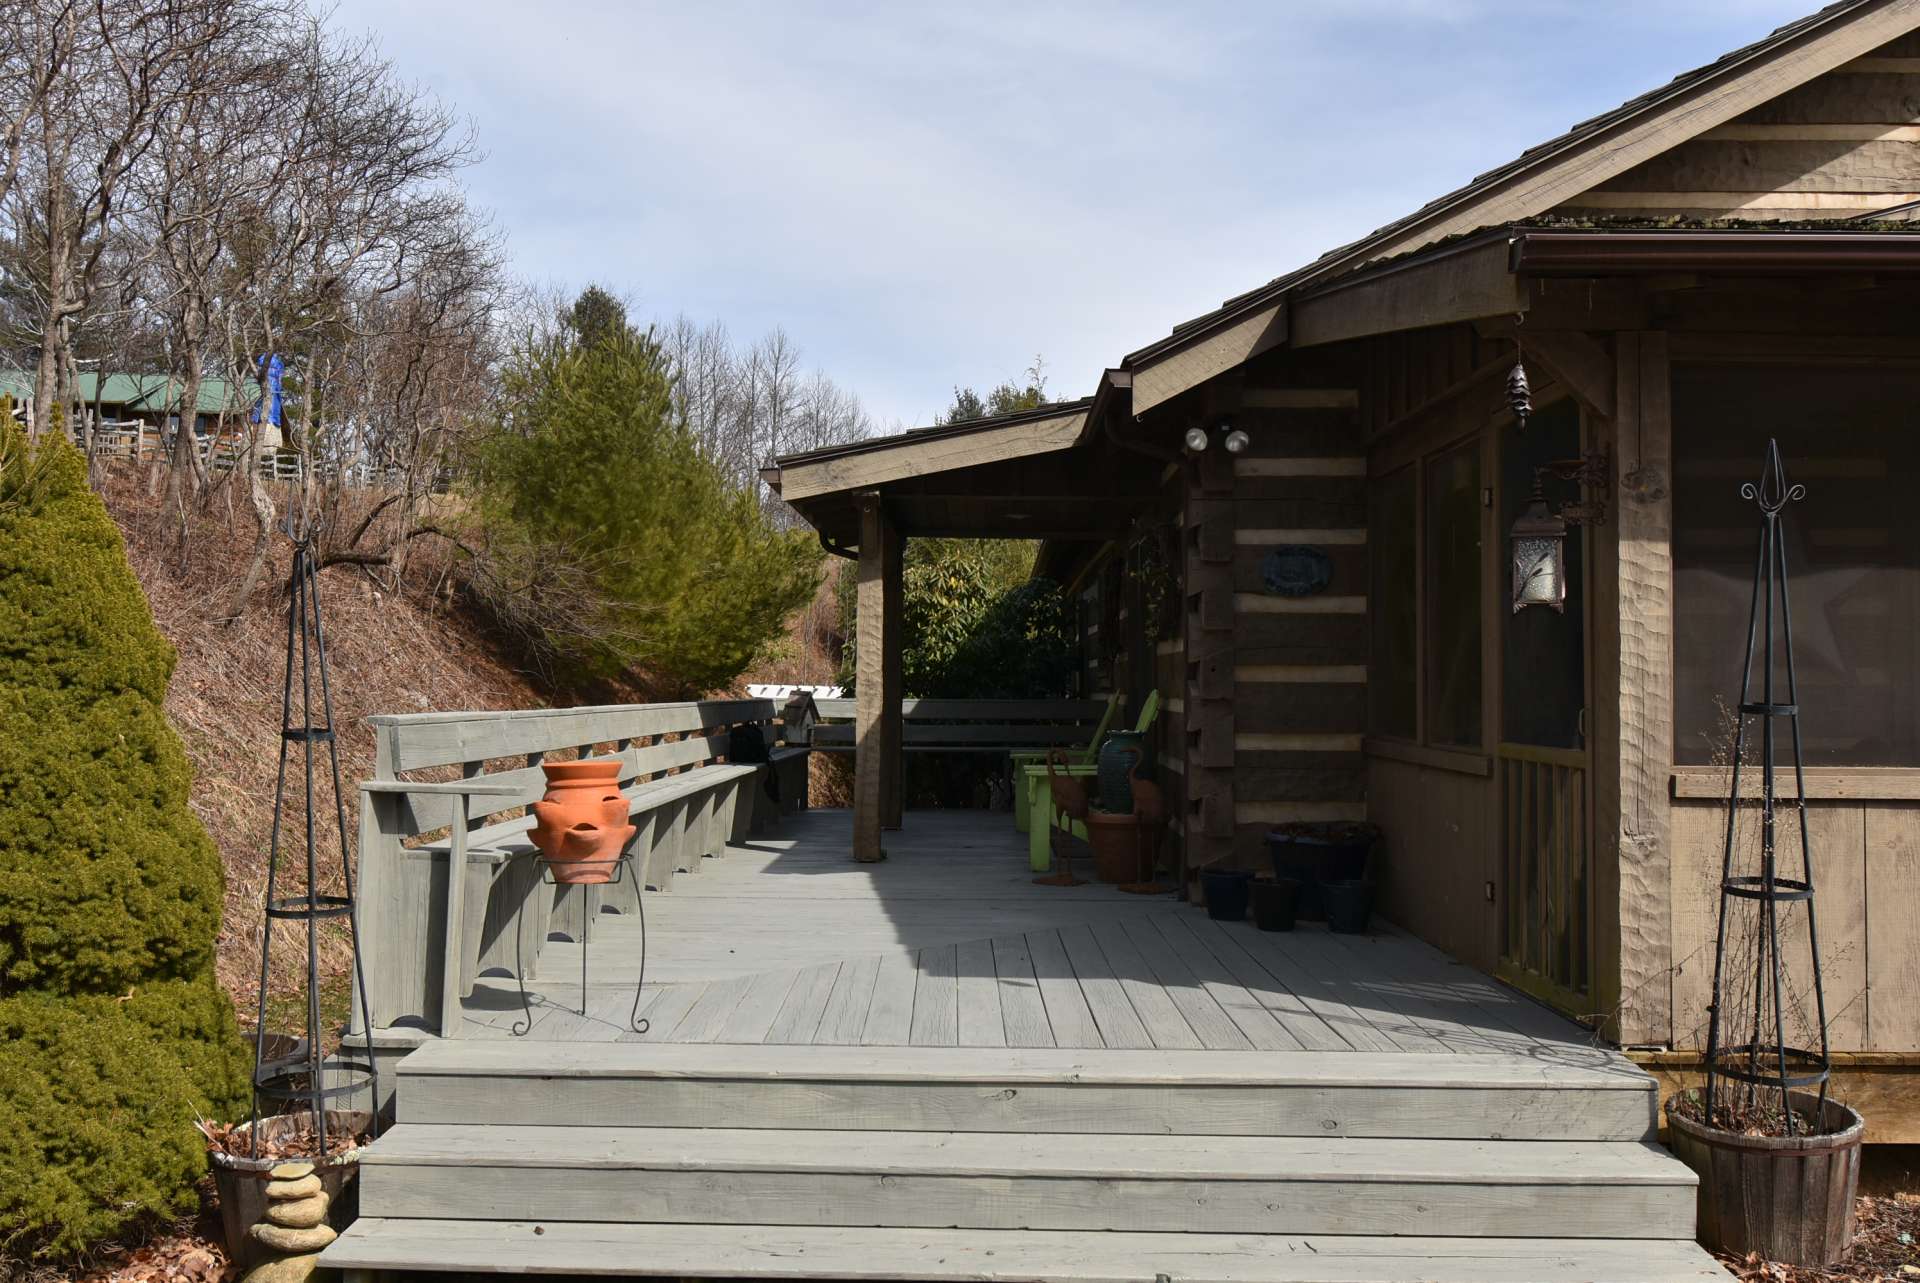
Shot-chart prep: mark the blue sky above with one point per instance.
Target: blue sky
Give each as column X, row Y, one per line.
column 925, row 195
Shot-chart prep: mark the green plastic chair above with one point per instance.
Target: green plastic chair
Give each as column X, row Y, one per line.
column 1023, row 758
column 1030, row 785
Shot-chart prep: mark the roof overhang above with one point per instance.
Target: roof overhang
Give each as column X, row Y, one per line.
column 1050, row 473
column 870, row 464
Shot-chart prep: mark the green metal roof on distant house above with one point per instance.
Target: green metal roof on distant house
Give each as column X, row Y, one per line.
column 140, row 393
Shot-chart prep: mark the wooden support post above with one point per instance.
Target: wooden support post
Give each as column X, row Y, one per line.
column 451, row 1017
column 892, row 720
column 871, row 696
column 1207, row 575
column 1633, row 646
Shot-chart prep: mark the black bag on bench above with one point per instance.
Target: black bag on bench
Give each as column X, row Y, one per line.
column 748, row 743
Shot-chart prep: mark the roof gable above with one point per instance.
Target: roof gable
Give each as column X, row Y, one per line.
column 1842, row 145
column 1550, row 175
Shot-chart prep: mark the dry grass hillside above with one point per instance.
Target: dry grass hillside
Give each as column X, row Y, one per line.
column 388, row 653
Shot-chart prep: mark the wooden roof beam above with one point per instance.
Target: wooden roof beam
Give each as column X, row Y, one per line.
column 912, row 455
column 1467, row 283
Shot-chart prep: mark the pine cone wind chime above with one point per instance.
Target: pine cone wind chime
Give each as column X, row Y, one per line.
column 1519, row 393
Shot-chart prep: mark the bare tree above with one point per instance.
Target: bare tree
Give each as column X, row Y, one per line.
column 124, row 63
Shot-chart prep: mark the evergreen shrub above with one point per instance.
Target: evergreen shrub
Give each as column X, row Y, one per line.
column 113, row 1031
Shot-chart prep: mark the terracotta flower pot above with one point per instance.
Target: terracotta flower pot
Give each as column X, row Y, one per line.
column 581, row 824
column 1116, row 845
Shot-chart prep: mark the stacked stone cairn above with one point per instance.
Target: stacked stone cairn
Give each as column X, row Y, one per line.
column 295, row 1228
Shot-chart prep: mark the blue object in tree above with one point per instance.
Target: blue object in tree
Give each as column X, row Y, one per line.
column 268, row 407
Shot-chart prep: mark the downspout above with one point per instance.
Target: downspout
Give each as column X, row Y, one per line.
column 838, row 550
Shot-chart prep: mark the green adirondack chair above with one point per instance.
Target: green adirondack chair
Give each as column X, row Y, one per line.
column 1038, row 802
column 1023, row 758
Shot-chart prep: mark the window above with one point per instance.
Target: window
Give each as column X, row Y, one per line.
column 1392, row 675
column 1852, row 544
column 1451, row 527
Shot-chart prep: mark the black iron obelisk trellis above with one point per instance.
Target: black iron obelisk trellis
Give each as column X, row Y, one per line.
column 1765, row 1060
column 307, row 1075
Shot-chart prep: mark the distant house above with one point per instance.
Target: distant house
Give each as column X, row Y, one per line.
column 152, row 400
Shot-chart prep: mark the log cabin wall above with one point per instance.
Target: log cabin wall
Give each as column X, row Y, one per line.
column 1299, row 673
column 1839, row 146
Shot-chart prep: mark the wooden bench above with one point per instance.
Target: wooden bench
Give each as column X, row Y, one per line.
column 449, row 887
column 968, row 725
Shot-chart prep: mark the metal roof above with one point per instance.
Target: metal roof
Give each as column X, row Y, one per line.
column 139, row 393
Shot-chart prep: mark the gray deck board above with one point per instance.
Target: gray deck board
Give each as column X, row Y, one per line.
column 1120, row 1025
column 981, row 1022
column 799, row 1019
column 1023, row 1011
column 936, row 998
column 1259, row 1026
column 1160, row 1013
column 1068, row 1014
column 890, row 1018
column 1166, row 977
column 759, row 1007
column 847, row 1005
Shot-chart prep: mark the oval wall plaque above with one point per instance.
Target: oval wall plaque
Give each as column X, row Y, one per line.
column 1294, row 570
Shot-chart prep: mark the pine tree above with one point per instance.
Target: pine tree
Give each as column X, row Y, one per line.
column 635, row 547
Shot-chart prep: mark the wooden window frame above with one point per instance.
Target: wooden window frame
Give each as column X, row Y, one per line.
column 1445, row 433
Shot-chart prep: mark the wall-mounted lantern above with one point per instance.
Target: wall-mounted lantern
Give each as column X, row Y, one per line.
column 1539, row 536
column 1539, row 555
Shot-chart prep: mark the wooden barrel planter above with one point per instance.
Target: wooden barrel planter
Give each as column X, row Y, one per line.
column 1789, row 1198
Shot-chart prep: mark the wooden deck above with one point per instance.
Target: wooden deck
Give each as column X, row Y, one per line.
column 950, row 943
column 933, row 1069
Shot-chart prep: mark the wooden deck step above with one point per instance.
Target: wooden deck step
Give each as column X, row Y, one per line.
column 1580, row 1096
column 990, row 1180
column 949, row 1256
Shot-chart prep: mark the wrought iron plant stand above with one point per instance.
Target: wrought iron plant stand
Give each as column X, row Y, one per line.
column 306, row 1074
column 1765, row 1060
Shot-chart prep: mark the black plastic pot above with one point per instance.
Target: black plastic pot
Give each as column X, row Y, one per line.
column 1320, row 851
column 1349, row 905
column 1275, row 903
column 1226, row 892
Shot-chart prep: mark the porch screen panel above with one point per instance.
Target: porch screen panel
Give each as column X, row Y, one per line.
column 1452, row 519
column 1851, row 435
column 1394, row 605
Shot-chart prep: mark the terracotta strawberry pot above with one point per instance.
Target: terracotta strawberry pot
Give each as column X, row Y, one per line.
column 581, row 825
